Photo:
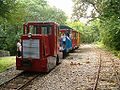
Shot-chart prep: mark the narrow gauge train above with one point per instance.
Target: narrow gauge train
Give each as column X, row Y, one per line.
column 40, row 48
column 70, row 39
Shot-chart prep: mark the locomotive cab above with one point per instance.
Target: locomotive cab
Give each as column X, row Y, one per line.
column 39, row 47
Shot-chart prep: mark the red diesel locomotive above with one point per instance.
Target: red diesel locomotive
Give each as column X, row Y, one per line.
column 40, row 47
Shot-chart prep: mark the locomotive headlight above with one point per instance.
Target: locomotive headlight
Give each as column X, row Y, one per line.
column 29, row 35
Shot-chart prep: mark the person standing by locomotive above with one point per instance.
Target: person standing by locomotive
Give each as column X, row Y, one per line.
column 18, row 48
column 64, row 45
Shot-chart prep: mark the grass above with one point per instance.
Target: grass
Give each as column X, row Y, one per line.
column 6, row 63
column 115, row 52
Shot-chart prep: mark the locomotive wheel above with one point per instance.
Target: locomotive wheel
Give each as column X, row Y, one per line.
column 57, row 60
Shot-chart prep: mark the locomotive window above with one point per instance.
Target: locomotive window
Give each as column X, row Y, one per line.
column 34, row 29
column 26, row 29
column 55, row 30
column 46, row 30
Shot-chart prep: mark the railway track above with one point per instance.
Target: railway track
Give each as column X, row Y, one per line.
column 101, row 65
column 114, row 68
column 99, row 68
column 20, row 81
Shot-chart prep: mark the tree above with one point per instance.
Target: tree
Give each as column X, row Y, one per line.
column 82, row 8
column 109, row 19
column 5, row 7
column 16, row 12
column 39, row 10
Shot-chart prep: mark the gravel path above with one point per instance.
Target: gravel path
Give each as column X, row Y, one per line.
column 79, row 71
column 108, row 79
column 8, row 74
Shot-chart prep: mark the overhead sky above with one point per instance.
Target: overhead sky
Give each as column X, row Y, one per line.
column 65, row 5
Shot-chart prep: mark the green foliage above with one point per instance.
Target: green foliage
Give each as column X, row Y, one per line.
column 77, row 25
column 110, row 24
column 110, row 33
column 89, row 33
column 13, row 13
column 108, row 27
column 39, row 10
column 5, row 7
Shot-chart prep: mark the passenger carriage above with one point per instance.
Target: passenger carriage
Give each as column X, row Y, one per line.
column 75, row 39
column 78, row 39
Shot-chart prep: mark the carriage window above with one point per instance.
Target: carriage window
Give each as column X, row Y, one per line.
column 60, row 34
column 46, row 30
column 70, row 35
column 74, row 35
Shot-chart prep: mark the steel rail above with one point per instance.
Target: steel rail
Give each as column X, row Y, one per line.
column 99, row 68
column 28, row 82
column 11, row 79
column 19, row 76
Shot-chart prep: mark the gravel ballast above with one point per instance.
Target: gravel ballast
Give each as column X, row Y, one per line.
column 79, row 72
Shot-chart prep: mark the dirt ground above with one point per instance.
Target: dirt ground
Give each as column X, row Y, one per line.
column 79, row 71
